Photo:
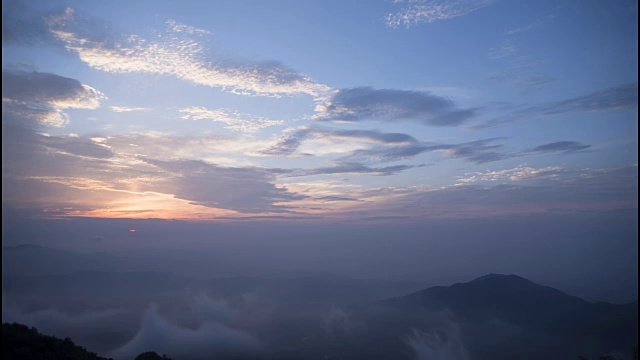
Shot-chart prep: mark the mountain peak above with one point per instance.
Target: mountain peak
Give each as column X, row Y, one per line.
column 501, row 277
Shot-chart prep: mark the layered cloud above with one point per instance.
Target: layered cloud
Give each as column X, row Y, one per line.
column 521, row 190
column 369, row 146
column 391, row 105
column 102, row 176
column 233, row 120
column 180, row 54
column 243, row 189
column 426, row 11
column 42, row 97
column 349, row 168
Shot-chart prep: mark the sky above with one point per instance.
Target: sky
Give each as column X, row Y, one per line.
column 324, row 110
column 384, row 113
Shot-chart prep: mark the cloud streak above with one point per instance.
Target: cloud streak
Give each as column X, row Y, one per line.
column 561, row 147
column 120, row 109
column 349, row 168
column 289, row 143
column 478, row 151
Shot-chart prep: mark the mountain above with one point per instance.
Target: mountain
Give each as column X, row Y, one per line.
column 543, row 320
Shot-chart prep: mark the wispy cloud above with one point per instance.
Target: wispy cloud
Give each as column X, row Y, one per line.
column 289, row 143
column 391, row 105
column 506, row 49
column 233, row 120
column 180, row 54
column 530, row 26
column 42, row 97
column 426, row 11
column 623, row 97
column 120, row 109
column 177, row 27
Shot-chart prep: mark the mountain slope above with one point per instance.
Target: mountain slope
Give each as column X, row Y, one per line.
column 20, row 342
column 543, row 319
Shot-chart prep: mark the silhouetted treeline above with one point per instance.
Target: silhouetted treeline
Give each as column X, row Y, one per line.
column 19, row 342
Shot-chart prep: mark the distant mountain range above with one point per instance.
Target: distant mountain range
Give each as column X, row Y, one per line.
column 21, row 260
column 493, row 317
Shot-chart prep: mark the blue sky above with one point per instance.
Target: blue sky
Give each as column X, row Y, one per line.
column 309, row 110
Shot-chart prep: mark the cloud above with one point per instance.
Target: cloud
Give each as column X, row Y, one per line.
column 619, row 98
column 41, row 97
column 74, row 145
column 520, row 70
column 177, row 27
column 120, row 109
column 335, row 198
column 51, row 89
column 288, row 144
column 234, row 120
column 182, row 55
column 210, row 339
column 478, row 151
column 623, row 97
column 505, row 50
column 249, row 190
column 383, row 147
column 519, row 173
column 561, row 147
column 426, row 11
column 213, row 148
column 350, row 168
column 391, row 105
column 530, row 26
